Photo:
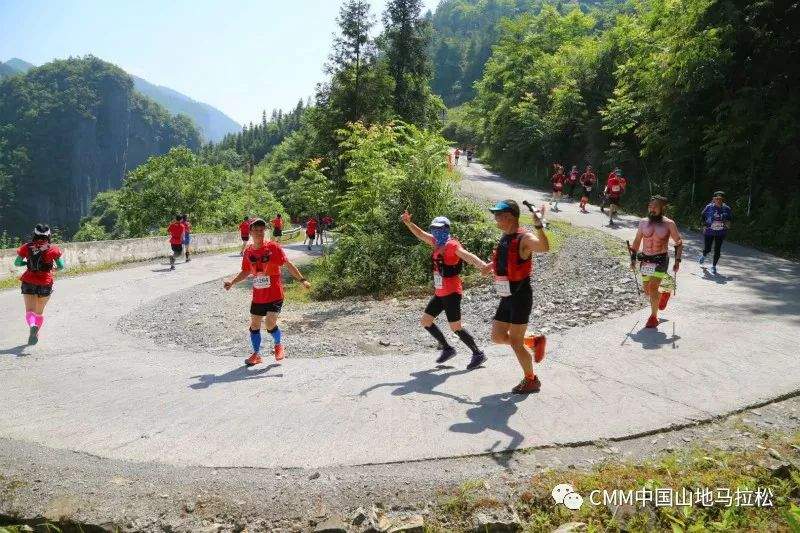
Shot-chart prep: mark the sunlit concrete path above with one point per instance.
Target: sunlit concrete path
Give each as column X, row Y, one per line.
column 726, row 343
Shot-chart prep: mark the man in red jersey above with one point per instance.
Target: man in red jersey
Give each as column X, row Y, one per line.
column 244, row 233
column 614, row 190
column 176, row 232
column 263, row 260
column 448, row 257
column 512, row 266
column 39, row 257
column 311, row 231
column 557, row 180
column 588, row 180
column 277, row 228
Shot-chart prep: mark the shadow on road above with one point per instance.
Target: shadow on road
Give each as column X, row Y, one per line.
column 16, row 350
column 494, row 413
column 719, row 279
column 653, row 339
column 237, row 374
column 423, row 382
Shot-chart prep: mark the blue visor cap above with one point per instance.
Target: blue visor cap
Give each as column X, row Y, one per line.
column 506, row 206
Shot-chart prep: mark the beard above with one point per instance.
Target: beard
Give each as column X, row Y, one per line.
column 655, row 218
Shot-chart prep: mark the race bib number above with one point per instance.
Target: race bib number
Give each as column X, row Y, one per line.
column 502, row 287
column 647, row 269
column 262, row 282
column 717, row 225
column 615, row 188
column 438, row 283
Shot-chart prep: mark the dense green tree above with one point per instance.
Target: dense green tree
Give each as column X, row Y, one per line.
column 406, row 39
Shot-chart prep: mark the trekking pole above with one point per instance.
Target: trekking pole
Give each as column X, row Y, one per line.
column 635, row 279
column 534, row 211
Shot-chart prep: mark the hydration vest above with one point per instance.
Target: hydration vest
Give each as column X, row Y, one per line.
column 36, row 262
column 441, row 266
column 507, row 259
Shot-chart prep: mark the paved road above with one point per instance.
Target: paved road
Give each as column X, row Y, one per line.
column 726, row 343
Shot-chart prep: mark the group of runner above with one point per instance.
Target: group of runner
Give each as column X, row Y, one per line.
column 585, row 183
column 511, row 266
column 316, row 228
column 468, row 152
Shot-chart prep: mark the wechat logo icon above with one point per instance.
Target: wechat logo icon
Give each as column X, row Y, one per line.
column 565, row 494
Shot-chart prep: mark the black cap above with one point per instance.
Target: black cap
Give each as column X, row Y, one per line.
column 506, row 206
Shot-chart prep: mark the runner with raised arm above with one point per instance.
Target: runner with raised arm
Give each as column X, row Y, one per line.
column 448, row 260
column 512, row 266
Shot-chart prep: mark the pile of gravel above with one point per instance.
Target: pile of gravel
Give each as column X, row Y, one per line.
column 578, row 285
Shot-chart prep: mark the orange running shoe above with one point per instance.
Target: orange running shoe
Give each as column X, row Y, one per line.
column 662, row 302
column 536, row 343
column 279, row 352
column 652, row 322
column 254, row 359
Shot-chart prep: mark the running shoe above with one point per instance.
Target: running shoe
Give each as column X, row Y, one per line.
column 662, row 302
column 652, row 322
column 253, row 360
column 477, row 360
column 714, row 270
column 448, row 353
column 527, row 386
column 33, row 337
column 279, row 355
column 701, row 259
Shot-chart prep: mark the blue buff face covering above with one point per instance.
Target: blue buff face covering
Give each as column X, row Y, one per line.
column 440, row 235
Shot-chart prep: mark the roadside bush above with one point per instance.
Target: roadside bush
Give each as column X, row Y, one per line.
column 390, row 168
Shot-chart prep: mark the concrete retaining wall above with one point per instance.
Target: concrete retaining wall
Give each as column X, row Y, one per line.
column 99, row 252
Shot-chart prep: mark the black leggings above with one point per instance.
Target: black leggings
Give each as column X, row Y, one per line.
column 716, row 240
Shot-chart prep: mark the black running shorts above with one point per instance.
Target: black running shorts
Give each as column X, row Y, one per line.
column 37, row 290
column 516, row 309
column 263, row 309
column 277, row 233
column 450, row 304
column 177, row 248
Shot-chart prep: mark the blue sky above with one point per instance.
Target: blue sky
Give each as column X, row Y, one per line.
column 240, row 56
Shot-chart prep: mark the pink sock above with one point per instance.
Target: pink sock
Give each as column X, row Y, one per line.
column 29, row 318
column 39, row 320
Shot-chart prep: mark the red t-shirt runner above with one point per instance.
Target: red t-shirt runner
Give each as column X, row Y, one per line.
column 451, row 285
column 264, row 264
column 277, row 223
column 48, row 255
column 558, row 181
column 244, row 230
column 176, row 230
column 311, row 227
column 614, row 187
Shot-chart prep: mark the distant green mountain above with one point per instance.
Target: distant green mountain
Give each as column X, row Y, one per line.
column 69, row 130
column 6, row 71
column 19, row 65
column 213, row 124
column 464, row 32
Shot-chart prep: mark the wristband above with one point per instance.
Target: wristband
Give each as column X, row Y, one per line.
column 539, row 227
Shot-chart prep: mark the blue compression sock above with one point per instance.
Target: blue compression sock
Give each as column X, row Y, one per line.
column 255, row 340
column 276, row 334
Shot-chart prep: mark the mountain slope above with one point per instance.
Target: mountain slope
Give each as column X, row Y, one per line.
column 19, row 65
column 213, row 123
column 69, row 130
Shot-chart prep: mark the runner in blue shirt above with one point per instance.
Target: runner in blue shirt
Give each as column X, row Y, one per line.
column 716, row 219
